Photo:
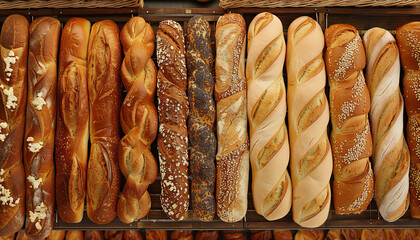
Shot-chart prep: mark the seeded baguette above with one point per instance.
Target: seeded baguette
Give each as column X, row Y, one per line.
column 351, row 139
column 14, row 54
column 173, row 113
column 408, row 39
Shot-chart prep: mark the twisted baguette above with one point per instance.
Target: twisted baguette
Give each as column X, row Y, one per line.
column 201, row 119
column 44, row 38
column 351, row 139
column 138, row 120
column 408, row 37
column 232, row 158
column 391, row 157
column 269, row 149
column 173, row 113
column 13, row 41
column 104, row 87
column 311, row 159
column 72, row 133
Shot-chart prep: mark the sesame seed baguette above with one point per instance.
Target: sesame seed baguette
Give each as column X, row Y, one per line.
column 232, row 158
column 104, row 89
column 44, row 36
column 72, row 133
column 391, row 157
column 269, row 149
column 311, row 158
column 351, row 140
column 173, row 113
column 408, row 39
column 139, row 120
column 202, row 117
column 14, row 54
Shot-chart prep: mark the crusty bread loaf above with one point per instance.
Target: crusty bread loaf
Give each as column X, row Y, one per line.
column 104, row 87
column 234, row 235
column 202, row 117
column 282, row 235
column 74, row 235
column 311, row 158
column 22, row 236
column 269, row 148
column 44, row 36
column 9, row 237
column 72, row 133
column 113, row 235
column 371, row 234
column 182, row 235
column 94, row 235
column 351, row 140
column 14, row 55
column 232, row 158
column 391, row 158
column 132, row 235
column 313, row 234
column 138, row 119
column 57, row 235
column 207, row 235
column 408, row 39
column 260, row 235
column 173, row 113
column 156, row 235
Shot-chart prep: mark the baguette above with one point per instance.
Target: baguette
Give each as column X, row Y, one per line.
column 14, row 53
column 232, row 158
column 269, row 149
column 44, row 36
column 351, row 140
column 202, row 116
column 104, row 89
column 408, row 42
column 391, row 157
column 138, row 119
column 72, row 133
column 173, row 113
column 311, row 158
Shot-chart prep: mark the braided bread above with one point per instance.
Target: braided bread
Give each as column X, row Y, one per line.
column 232, row 158
column 72, row 133
column 138, row 120
column 14, row 54
column 351, row 139
column 173, row 113
column 408, row 38
column 44, row 36
column 201, row 119
column 269, row 149
column 311, row 158
column 391, row 157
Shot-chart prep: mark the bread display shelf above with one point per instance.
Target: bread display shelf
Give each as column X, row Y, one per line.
column 361, row 18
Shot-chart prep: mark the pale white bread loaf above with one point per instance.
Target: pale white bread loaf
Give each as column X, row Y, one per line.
column 232, row 158
column 311, row 158
column 269, row 148
column 390, row 152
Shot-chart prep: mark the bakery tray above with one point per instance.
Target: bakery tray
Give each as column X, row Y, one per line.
column 361, row 18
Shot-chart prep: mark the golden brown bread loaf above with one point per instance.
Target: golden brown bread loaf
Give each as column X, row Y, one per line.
column 173, row 113
column 182, row 235
column 372, row 234
column 94, row 235
column 311, row 158
column 104, row 87
column 156, row 235
column 234, row 235
column 282, row 235
column 351, row 140
column 72, row 133
column 57, row 235
column 74, row 235
column 333, row 234
column 232, row 158
column 260, row 235
column 207, row 235
column 14, row 54
column 201, row 119
column 409, row 45
column 269, row 148
column 44, row 36
column 21, row 235
column 8, row 237
column 313, row 234
column 132, row 235
column 113, row 235
column 138, row 118
column 391, row 157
